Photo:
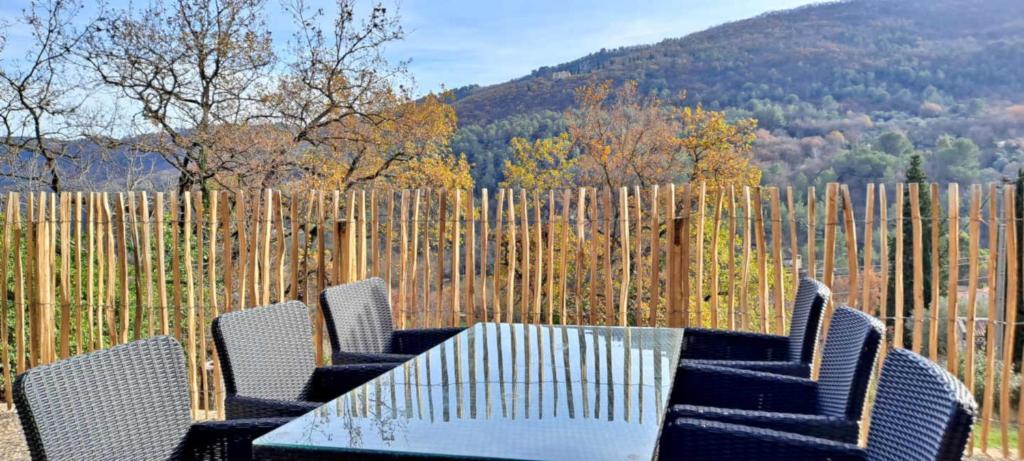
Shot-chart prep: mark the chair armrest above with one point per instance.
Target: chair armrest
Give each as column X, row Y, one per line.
column 699, row 440
column 826, row 427
column 418, row 341
column 333, row 381
column 241, row 407
column 355, row 358
column 797, row 369
column 743, row 389
column 700, row 343
column 228, row 440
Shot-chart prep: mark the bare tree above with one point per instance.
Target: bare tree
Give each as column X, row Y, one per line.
column 213, row 102
column 341, row 96
column 42, row 121
column 193, row 68
column 338, row 73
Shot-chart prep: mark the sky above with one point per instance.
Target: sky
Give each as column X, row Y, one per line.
column 453, row 43
column 462, row 42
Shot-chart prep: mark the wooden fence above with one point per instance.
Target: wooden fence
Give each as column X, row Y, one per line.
column 86, row 270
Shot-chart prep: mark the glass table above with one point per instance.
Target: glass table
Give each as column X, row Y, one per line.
column 502, row 391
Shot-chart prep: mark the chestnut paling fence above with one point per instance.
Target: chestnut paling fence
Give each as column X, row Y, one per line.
column 86, row 270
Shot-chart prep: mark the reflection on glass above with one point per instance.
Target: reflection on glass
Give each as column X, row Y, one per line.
column 542, row 377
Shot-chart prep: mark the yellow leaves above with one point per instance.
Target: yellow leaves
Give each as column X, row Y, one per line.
column 718, row 152
column 543, row 164
column 406, row 145
column 446, row 172
column 627, row 139
column 624, row 139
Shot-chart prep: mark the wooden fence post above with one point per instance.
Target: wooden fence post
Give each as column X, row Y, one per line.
column 779, row 288
column 794, row 245
column 972, row 284
column 672, row 277
column 745, row 272
column 990, row 330
column 933, row 311
column 953, row 208
column 898, row 291
column 869, row 244
column 883, row 237
column 1009, row 312
column 850, row 233
column 698, row 249
column 915, row 216
column 762, row 262
column 714, row 287
column 812, row 236
column 624, row 278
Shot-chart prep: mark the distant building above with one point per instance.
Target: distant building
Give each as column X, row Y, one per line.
column 561, row 75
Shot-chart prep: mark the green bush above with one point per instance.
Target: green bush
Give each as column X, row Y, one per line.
column 979, row 380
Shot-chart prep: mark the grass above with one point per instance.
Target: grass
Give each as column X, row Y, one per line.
column 995, row 437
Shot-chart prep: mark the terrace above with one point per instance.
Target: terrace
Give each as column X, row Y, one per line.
column 90, row 271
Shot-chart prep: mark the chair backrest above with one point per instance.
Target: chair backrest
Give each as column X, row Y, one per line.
column 127, row 402
column 358, row 316
column 811, row 298
column 847, row 362
column 266, row 352
column 921, row 412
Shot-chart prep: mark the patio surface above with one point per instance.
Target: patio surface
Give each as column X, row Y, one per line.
column 12, row 445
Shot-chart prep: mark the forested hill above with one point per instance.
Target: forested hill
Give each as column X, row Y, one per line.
column 841, row 91
column 864, row 54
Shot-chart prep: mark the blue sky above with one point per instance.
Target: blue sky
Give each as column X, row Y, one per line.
column 460, row 42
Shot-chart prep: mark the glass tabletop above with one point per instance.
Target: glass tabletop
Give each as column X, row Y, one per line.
column 505, row 391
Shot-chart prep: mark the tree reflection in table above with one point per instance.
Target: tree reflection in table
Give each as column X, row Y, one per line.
column 597, row 373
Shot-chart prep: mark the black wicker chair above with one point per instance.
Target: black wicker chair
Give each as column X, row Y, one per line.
column 790, row 355
column 127, row 402
column 830, row 407
column 359, row 323
column 921, row 413
column 269, row 365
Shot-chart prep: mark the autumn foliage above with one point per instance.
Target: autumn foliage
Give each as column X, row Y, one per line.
column 406, row 146
column 616, row 137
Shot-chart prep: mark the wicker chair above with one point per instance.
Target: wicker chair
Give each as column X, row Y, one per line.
column 269, row 365
column 921, row 413
column 830, row 407
column 358, row 317
column 790, row 355
column 127, row 402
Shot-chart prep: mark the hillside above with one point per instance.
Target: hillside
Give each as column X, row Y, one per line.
column 867, row 54
column 858, row 68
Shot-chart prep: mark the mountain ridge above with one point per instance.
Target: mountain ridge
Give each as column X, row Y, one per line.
column 881, row 37
column 825, row 82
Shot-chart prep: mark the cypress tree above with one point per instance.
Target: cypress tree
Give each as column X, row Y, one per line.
column 915, row 174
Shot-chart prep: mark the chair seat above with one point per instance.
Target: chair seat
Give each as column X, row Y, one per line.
column 227, row 440
column 355, row 358
column 711, row 386
column 827, row 427
column 241, row 407
column 702, row 440
column 797, row 369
